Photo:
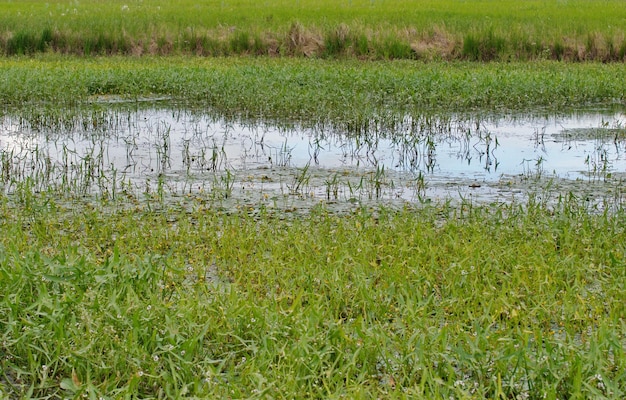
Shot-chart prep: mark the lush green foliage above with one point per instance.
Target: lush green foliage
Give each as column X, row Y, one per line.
column 477, row 29
column 466, row 302
column 348, row 94
column 120, row 300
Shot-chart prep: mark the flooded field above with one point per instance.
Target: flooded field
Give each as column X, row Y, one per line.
column 164, row 152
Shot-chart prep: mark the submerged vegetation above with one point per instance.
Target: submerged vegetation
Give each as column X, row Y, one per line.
column 574, row 30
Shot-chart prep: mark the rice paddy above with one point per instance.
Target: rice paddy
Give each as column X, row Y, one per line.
column 573, row 30
column 349, row 95
column 355, row 199
column 122, row 150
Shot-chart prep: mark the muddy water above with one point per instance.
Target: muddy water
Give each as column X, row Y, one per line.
column 175, row 153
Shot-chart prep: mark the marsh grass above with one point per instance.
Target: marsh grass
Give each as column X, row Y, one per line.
column 478, row 30
column 521, row 300
column 487, row 47
column 347, row 95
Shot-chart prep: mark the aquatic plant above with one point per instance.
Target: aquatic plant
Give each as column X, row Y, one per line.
column 349, row 95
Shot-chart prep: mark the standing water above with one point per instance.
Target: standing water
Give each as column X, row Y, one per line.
column 425, row 158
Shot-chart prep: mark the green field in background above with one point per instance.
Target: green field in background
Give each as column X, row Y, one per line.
column 379, row 29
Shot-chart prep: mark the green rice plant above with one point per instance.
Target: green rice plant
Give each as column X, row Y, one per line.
column 420, row 186
column 534, row 169
column 227, row 182
column 183, row 28
column 332, row 187
column 343, row 95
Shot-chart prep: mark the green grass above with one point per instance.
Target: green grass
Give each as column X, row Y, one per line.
column 122, row 299
column 572, row 30
column 467, row 302
column 349, row 95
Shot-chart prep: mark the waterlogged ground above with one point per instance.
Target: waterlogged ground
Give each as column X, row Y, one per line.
column 165, row 152
column 518, row 300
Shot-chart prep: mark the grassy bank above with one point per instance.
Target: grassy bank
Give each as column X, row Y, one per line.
column 512, row 301
column 349, row 94
column 416, row 29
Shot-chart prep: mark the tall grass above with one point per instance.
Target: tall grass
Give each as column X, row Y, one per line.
column 478, row 29
column 518, row 301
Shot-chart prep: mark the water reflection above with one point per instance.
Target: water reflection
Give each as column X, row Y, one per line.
column 142, row 146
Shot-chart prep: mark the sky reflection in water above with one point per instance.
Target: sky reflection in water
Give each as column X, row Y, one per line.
column 140, row 145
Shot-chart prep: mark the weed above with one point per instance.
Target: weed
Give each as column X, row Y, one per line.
column 22, row 43
column 302, row 300
column 621, row 54
column 337, row 41
column 489, row 47
column 558, row 50
column 300, row 182
column 361, row 45
column 362, row 28
column 394, row 48
column 471, row 47
column 240, row 43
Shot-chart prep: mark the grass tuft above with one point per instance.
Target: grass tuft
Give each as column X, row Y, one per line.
column 484, row 47
column 240, row 43
column 22, row 43
column 337, row 41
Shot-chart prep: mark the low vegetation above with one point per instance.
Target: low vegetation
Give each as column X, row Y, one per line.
column 113, row 295
column 517, row 301
column 348, row 95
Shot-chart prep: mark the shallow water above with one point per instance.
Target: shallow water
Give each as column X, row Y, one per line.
column 155, row 149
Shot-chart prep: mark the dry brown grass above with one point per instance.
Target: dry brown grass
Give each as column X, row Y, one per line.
column 343, row 40
column 302, row 41
column 436, row 43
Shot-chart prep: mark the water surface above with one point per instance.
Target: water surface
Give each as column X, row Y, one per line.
column 429, row 157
